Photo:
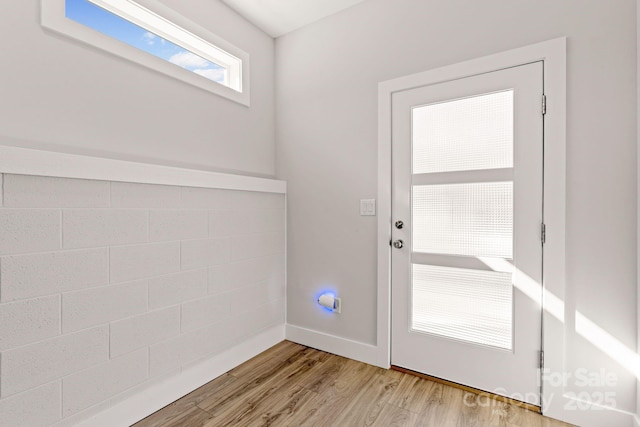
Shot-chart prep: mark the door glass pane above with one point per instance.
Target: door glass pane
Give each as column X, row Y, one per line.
column 464, row 134
column 464, row 219
column 468, row 305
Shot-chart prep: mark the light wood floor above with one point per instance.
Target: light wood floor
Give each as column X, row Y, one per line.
column 293, row 385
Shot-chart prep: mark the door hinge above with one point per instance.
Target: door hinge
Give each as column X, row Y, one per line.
column 541, row 359
column 544, row 104
column 543, row 233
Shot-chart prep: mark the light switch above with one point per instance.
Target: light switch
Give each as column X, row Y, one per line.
column 368, row 207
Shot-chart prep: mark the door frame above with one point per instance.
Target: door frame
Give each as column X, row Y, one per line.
column 553, row 55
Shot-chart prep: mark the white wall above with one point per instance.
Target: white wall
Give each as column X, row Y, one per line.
column 60, row 95
column 327, row 77
column 637, row 419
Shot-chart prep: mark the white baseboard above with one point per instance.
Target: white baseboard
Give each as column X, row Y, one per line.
column 355, row 350
column 575, row 412
column 149, row 401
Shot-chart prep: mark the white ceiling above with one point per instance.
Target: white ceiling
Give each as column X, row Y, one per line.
column 278, row 17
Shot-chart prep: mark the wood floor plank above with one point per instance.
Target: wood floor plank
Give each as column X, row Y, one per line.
column 194, row 417
column 243, row 385
column 181, row 406
column 504, row 414
column 170, row 412
column 319, row 355
column 415, row 394
column 287, row 409
column 476, row 410
column 305, row 415
column 321, row 377
column 444, row 411
column 286, row 350
column 279, row 409
column 338, row 394
column 243, row 400
column 392, row 416
column 293, row 385
column 394, row 374
column 259, row 405
column 366, row 406
column 209, row 389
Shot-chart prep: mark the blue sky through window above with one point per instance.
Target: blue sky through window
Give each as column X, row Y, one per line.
column 95, row 17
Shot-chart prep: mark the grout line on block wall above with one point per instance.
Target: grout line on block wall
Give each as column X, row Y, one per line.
column 109, row 265
column 61, row 230
column 60, row 329
column 61, row 407
column 180, row 256
column 109, row 339
column 62, row 250
column 148, row 304
column 180, row 321
column 148, row 225
column 209, row 219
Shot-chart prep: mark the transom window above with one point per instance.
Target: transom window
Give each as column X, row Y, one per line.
column 152, row 35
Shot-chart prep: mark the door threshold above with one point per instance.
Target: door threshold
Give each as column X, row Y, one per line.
column 518, row 403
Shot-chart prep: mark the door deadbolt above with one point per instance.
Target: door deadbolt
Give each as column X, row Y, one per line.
column 399, row 224
column 398, row 244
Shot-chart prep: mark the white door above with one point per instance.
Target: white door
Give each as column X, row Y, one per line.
column 467, row 256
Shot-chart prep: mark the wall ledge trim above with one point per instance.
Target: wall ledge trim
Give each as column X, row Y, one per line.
column 27, row 161
column 158, row 396
column 355, row 350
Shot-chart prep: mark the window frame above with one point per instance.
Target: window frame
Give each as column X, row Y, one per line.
column 53, row 17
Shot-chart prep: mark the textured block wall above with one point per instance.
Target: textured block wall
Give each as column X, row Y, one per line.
column 107, row 288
